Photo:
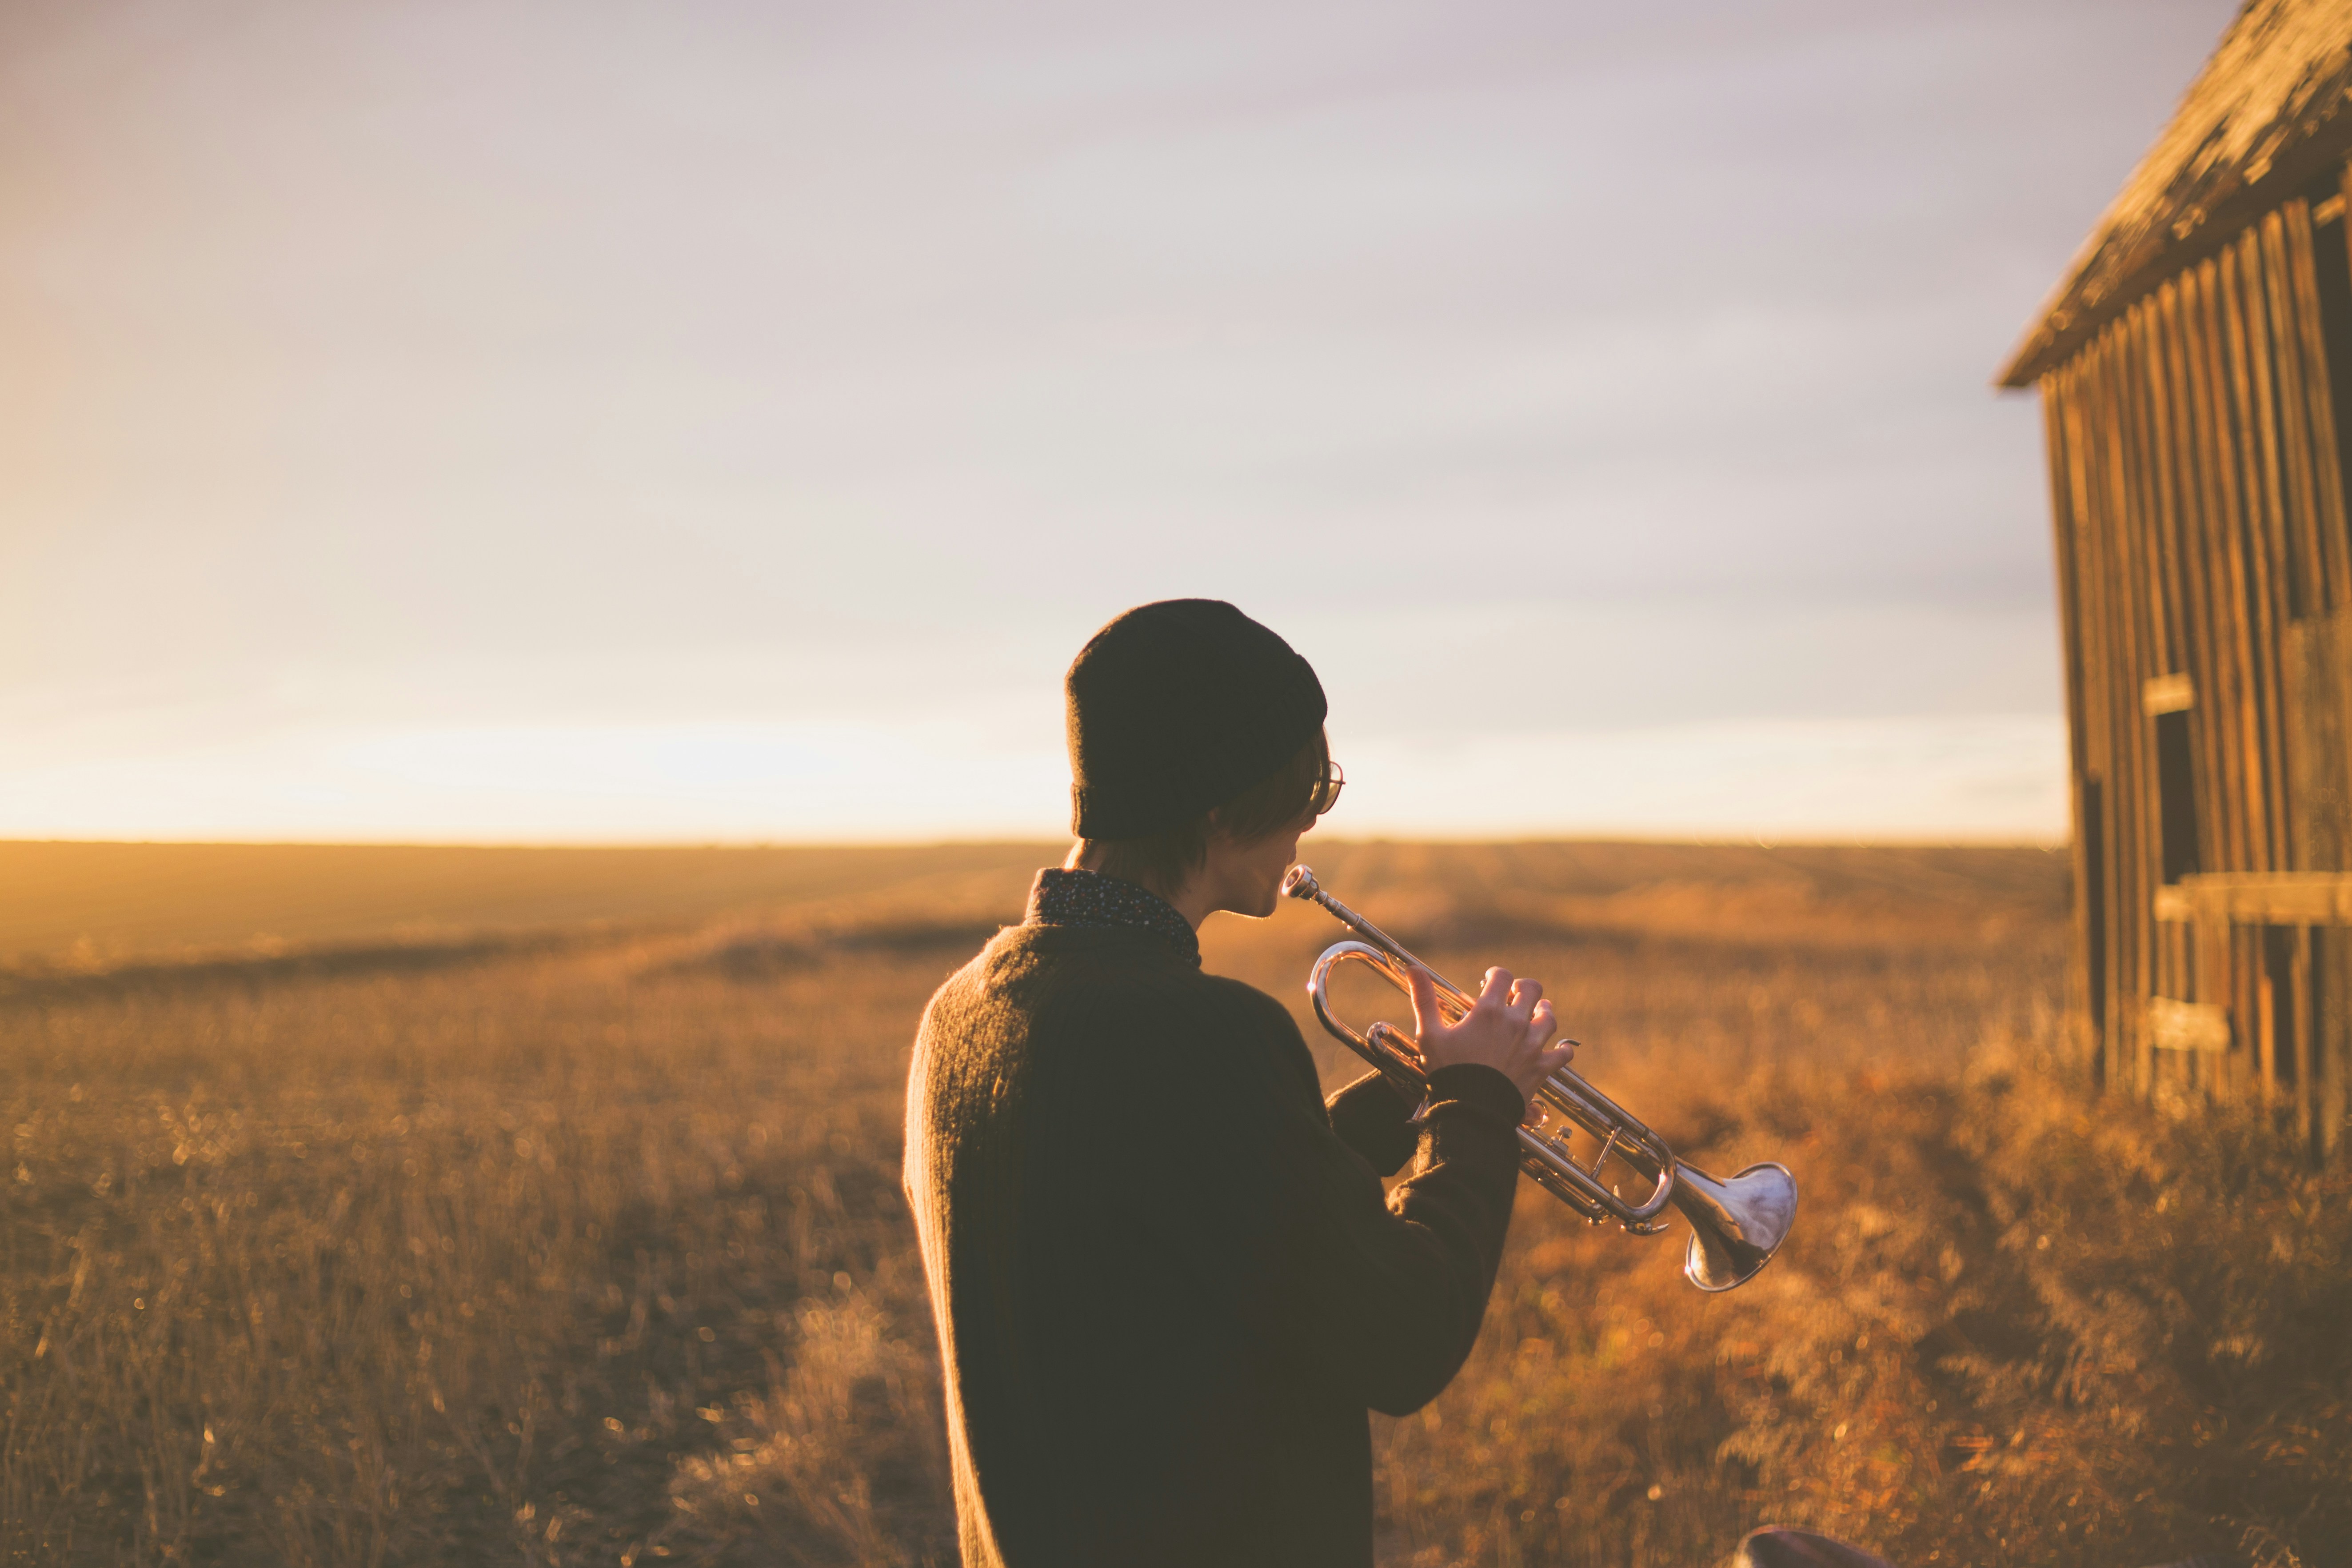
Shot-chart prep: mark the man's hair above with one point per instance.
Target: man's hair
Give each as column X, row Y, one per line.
column 1163, row 861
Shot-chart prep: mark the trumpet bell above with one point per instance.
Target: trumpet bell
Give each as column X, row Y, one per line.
column 1736, row 1225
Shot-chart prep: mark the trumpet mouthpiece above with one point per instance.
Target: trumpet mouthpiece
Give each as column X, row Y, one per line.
column 1299, row 882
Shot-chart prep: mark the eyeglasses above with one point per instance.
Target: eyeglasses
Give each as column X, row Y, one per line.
column 1327, row 788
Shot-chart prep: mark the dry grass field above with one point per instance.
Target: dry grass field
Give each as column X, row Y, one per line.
column 69, row 907
column 405, row 1208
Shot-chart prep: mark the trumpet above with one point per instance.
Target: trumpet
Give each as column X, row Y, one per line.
column 1736, row 1225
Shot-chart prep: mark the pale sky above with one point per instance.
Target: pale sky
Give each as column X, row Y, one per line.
column 600, row 421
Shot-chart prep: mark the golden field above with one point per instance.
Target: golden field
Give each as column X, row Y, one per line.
column 455, row 1206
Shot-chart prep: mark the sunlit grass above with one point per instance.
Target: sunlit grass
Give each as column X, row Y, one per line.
column 597, row 1254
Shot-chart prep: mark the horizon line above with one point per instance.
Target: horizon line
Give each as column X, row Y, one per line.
column 1713, row 840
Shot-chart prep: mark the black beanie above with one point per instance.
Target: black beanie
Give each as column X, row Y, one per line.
column 1175, row 709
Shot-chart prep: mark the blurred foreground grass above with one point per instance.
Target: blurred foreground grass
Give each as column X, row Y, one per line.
column 592, row 1250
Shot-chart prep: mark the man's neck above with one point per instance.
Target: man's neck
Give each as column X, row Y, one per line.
column 1193, row 901
column 1196, row 900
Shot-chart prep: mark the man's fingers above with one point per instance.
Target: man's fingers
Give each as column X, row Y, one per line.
column 1425, row 1015
column 1543, row 1025
column 1497, row 988
column 1547, row 1064
column 1527, row 993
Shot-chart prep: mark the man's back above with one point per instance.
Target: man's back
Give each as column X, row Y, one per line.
column 1166, row 1291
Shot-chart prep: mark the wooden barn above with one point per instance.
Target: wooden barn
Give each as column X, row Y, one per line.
column 2195, row 374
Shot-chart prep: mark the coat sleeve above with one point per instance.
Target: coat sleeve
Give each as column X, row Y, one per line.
column 1374, row 1121
column 1286, row 1227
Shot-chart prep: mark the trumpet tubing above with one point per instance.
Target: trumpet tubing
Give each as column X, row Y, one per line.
column 1736, row 1224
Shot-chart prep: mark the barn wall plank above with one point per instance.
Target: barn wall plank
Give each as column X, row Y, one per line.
column 2148, row 415
column 2125, row 957
column 2087, row 1007
column 2129, row 628
column 2265, row 538
column 2307, row 420
column 2229, row 721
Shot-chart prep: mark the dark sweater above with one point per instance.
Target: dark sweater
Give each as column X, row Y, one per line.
column 1166, row 1288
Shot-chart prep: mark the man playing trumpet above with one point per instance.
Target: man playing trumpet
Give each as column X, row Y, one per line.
column 1167, row 1284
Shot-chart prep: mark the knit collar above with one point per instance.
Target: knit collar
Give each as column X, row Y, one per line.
column 1093, row 900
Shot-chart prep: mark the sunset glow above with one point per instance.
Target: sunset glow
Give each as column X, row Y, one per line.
column 607, row 424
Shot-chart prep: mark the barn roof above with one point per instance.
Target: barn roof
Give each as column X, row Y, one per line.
column 2263, row 119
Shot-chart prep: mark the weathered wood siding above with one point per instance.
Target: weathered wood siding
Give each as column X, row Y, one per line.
column 2205, row 559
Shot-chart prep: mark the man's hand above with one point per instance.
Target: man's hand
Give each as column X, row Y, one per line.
column 1507, row 1030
